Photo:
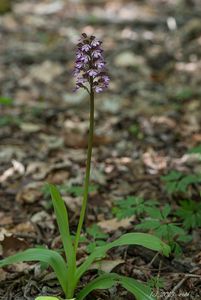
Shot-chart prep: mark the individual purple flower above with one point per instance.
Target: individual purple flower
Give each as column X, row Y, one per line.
column 100, row 64
column 90, row 68
column 105, row 79
column 86, row 48
column 95, row 43
column 84, row 58
column 98, row 89
column 79, row 65
column 92, row 73
column 79, row 54
column 96, row 54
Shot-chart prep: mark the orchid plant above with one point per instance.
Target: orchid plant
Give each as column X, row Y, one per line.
column 91, row 75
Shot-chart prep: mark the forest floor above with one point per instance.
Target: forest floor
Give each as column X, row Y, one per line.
column 147, row 126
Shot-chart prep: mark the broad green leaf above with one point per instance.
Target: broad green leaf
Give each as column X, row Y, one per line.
column 50, row 298
column 46, row 298
column 50, row 257
column 139, row 290
column 105, row 281
column 142, row 239
column 63, row 223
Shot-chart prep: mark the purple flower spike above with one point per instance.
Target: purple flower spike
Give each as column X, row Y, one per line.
column 89, row 68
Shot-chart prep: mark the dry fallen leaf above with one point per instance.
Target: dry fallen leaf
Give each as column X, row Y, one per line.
column 8, row 152
column 30, row 193
column 25, row 227
column 73, row 203
column 10, row 244
column 154, row 161
column 17, row 167
column 40, row 170
column 164, row 120
column 106, row 265
column 3, row 275
column 114, row 224
column 5, row 219
column 4, row 233
column 78, row 140
column 58, row 177
column 43, row 219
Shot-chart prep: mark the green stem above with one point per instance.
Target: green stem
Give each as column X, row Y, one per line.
column 88, row 167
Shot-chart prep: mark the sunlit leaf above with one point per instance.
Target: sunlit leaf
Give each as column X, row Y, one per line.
column 50, row 257
column 139, row 290
column 62, row 220
column 106, row 281
column 63, row 223
column 142, row 239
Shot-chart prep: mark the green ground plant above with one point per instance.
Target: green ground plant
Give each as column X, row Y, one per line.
column 156, row 282
column 159, row 222
column 196, row 149
column 190, row 213
column 96, row 238
column 132, row 205
column 176, row 182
